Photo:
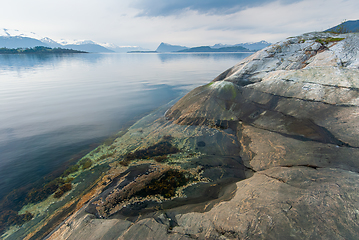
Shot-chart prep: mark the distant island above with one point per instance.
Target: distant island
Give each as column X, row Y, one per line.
column 242, row 47
column 165, row 47
column 38, row 50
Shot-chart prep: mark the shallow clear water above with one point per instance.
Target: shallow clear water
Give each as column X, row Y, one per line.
column 54, row 106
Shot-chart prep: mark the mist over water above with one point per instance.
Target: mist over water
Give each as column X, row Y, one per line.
column 54, row 106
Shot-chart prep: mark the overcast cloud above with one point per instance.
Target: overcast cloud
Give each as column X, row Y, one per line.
column 146, row 23
column 219, row 7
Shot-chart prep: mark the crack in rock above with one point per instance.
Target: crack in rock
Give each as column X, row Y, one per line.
column 275, row 178
column 302, row 165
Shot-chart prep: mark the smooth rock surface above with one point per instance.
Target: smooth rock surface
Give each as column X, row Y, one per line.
column 274, row 141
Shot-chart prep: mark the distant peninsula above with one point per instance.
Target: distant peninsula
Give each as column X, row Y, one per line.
column 220, row 48
column 38, row 50
column 165, row 47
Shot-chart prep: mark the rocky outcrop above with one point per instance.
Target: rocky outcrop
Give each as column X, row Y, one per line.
column 269, row 150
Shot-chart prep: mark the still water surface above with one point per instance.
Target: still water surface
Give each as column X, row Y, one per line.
column 54, row 106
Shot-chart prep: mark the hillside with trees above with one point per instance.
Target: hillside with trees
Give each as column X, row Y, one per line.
column 38, row 50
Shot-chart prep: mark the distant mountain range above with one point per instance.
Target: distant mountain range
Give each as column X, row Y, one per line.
column 241, row 47
column 16, row 42
column 345, row 27
column 10, row 38
column 254, row 46
column 87, row 47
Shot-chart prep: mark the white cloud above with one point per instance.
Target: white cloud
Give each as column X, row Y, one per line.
column 115, row 21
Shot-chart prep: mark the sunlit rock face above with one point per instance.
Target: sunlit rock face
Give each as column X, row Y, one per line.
column 268, row 150
column 301, row 95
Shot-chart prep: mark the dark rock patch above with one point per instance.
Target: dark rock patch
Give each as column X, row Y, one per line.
column 165, row 185
column 159, row 150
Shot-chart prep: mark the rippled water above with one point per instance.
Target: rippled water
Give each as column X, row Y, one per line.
column 52, row 107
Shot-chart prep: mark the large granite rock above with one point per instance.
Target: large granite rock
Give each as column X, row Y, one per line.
column 271, row 147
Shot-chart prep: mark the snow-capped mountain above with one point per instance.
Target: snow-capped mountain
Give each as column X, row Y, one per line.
column 50, row 42
column 4, row 32
column 251, row 46
column 121, row 49
column 12, row 38
column 76, row 42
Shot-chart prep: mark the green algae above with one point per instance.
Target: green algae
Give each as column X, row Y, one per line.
column 155, row 150
column 16, row 200
column 231, row 90
column 56, row 185
column 209, row 84
column 328, row 40
column 160, row 158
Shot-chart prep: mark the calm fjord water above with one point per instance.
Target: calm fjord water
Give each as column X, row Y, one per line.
column 55, row 106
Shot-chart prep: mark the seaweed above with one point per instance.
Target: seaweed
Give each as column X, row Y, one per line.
column 64, row 188
column 15, row 200
column 159, row 151
column 10, row 217
column 72, row 169
column 85, row 163
column 165, row 185
column 104, row 156
column 39, row 194
column 160, row 158
column 69, row 180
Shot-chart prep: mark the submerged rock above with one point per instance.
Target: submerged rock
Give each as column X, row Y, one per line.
column 268, row 150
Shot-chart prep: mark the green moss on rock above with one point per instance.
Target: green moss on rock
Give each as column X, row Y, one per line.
column 328, row 40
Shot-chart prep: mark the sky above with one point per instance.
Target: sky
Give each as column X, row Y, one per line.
column 147, row 23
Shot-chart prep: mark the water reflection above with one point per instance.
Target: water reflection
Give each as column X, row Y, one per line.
column 55, row 106
column 23, row 62
column 166, row 57
column 26, row 159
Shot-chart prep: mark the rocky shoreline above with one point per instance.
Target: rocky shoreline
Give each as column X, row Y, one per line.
column 267, row 150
